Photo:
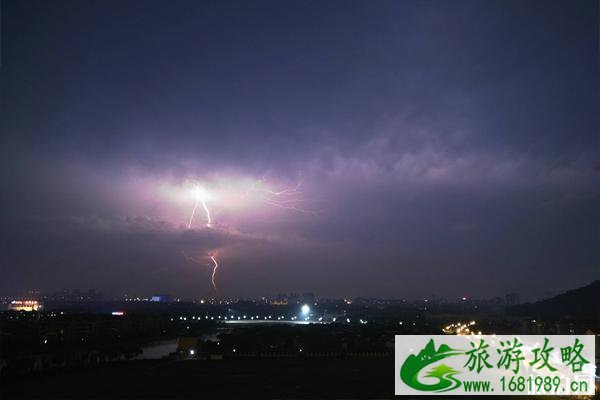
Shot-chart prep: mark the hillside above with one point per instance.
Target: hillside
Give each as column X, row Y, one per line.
column 581, row 302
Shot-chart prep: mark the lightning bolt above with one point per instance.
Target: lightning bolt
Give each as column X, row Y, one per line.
column 286, row 198
column 216, row 265
column 192, row 216
column 208, row 219
column 293, row 190
column 201, row 195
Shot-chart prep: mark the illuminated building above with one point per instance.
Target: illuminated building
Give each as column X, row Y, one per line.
column 161, row 298
column 24, row 305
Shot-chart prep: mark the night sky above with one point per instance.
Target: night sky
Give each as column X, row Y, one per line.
column 387, row 148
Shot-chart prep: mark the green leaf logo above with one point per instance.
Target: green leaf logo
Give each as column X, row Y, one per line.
column 409, row 372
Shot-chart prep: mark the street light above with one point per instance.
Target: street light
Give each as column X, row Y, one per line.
column 305, row 310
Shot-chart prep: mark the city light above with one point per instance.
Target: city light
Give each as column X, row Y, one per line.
column 24, row 305
column 460, row 329
column 305, row 310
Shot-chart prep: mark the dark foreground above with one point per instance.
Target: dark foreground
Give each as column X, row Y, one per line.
column 298, row 378
column 305, row 378
column 239, row 378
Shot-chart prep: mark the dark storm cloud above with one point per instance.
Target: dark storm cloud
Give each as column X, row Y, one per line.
column 124, row 254
column 445, row 139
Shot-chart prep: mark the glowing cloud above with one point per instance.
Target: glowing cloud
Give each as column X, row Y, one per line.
column 233, row 196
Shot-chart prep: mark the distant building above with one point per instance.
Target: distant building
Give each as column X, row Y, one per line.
column 513, row 299
column 25, row 305
column 293, row 298
column 280, row 300
column 308, row 298
column 161, row 298
column 73, row 296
